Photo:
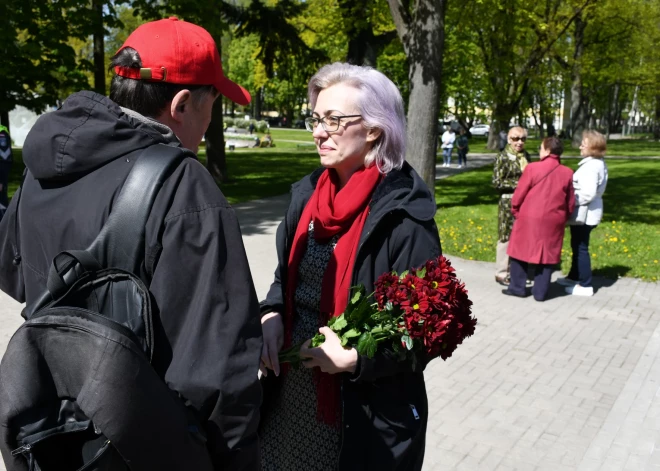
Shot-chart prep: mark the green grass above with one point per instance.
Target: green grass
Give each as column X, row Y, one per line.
column 626, row 243
column 618, row 148
column 255, row 174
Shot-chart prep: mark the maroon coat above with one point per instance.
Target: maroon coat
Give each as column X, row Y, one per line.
column 542, row 203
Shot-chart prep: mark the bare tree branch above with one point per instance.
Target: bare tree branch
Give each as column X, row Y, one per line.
column 401, row 19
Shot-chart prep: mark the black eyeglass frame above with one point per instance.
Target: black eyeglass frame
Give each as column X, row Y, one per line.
column 518, row 138
column 309, row 122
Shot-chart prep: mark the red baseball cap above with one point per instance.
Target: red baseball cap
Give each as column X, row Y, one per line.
column 175, row 51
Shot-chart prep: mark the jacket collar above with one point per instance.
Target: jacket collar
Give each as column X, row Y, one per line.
column 400, row 190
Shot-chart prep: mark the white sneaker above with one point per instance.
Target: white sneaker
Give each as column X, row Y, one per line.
column 566, row 281
column 578, row 290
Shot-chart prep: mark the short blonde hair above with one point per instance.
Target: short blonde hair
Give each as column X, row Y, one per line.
column 595, row 142
column 519, row 129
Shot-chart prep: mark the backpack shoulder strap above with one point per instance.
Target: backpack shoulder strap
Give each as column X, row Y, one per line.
column 120, row 244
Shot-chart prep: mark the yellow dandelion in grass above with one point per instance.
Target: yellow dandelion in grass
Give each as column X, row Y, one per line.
column 594, row 255
column 471, row 258
column 655, row 261
column 645, row 265
column 625, row 249
column 623, row 240
column 479, row 240
column 629, row 256
column 613, row 239
column 613, row 222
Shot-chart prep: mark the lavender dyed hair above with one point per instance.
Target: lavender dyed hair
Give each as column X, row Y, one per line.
column 380, row 105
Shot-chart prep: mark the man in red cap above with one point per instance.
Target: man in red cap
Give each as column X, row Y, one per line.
column 207, row 333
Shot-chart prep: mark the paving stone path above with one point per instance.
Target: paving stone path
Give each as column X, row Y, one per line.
column 567, row 384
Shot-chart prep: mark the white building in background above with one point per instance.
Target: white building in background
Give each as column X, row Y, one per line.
column 21, row 121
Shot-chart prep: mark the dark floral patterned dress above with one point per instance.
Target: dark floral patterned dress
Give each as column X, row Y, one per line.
column 291, row 437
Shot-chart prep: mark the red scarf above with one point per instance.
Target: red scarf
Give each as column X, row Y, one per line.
column 333, row 212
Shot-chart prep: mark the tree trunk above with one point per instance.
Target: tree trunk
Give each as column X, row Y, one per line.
column 4, row 119
column 423, row 38
column 216, row 161
column 258, row 103
column 579, row 111
column 566, row 117
column 656, row 124
column 99, row 49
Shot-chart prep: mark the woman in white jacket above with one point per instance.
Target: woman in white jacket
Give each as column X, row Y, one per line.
column 589, row 181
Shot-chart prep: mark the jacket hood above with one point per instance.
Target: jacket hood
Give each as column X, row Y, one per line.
column 86, row 132
column 401, row 189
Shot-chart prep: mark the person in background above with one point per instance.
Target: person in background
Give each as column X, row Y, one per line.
column 448, row 138
column 5, row 168
column 363, row 213
column 508, row 169
column 502, row 139
column 589, row 181
column 462, row 144
column 541, row 205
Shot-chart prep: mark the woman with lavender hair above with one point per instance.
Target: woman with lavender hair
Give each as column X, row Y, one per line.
column 365, row 212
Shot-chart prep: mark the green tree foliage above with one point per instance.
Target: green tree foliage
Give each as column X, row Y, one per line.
column 37, row 63
column 514, row 37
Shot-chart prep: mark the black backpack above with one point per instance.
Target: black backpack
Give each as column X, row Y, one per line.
column 77, row 390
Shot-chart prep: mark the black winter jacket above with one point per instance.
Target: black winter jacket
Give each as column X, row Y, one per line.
column 384, row 405
column 208, row 334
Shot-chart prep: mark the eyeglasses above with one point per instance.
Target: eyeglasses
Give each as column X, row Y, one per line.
column 329, row 123
column 518, row 138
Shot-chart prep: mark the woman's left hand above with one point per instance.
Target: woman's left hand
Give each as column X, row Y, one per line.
column 331, row 357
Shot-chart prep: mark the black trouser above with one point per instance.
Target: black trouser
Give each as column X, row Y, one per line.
column 462, row 156
column 581, row 263
column 5, row 166
column 542, row 274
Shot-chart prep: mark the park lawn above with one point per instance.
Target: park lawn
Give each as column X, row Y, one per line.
column 253, row 173
column 626, row 243
column 618, row 148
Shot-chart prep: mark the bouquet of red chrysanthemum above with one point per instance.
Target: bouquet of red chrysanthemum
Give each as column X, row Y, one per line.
column 421, row 310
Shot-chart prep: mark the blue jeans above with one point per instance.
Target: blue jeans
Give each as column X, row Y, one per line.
column 581, row 263
column 446, row 155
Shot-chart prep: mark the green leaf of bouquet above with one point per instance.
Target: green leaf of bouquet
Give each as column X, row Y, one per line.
column 332, row 321
column 408, row 341
column 366, row 345
column 357, row 295
column 317, row 340
column 421, row 273
column 403, row 274
column 339, row 324
column 350, row 334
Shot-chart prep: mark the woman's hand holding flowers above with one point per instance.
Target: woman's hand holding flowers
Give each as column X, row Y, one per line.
column 330, row 356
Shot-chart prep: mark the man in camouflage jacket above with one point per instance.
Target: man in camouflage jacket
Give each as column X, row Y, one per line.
column 509, row 166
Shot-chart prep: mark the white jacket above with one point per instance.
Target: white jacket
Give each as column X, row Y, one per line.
column 448, row 139
column 589, row 181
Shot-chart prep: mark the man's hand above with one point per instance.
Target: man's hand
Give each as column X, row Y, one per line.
column 273, row 332
column 331, row 357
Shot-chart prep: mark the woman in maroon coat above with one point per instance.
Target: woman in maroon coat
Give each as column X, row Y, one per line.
column 541, row 205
